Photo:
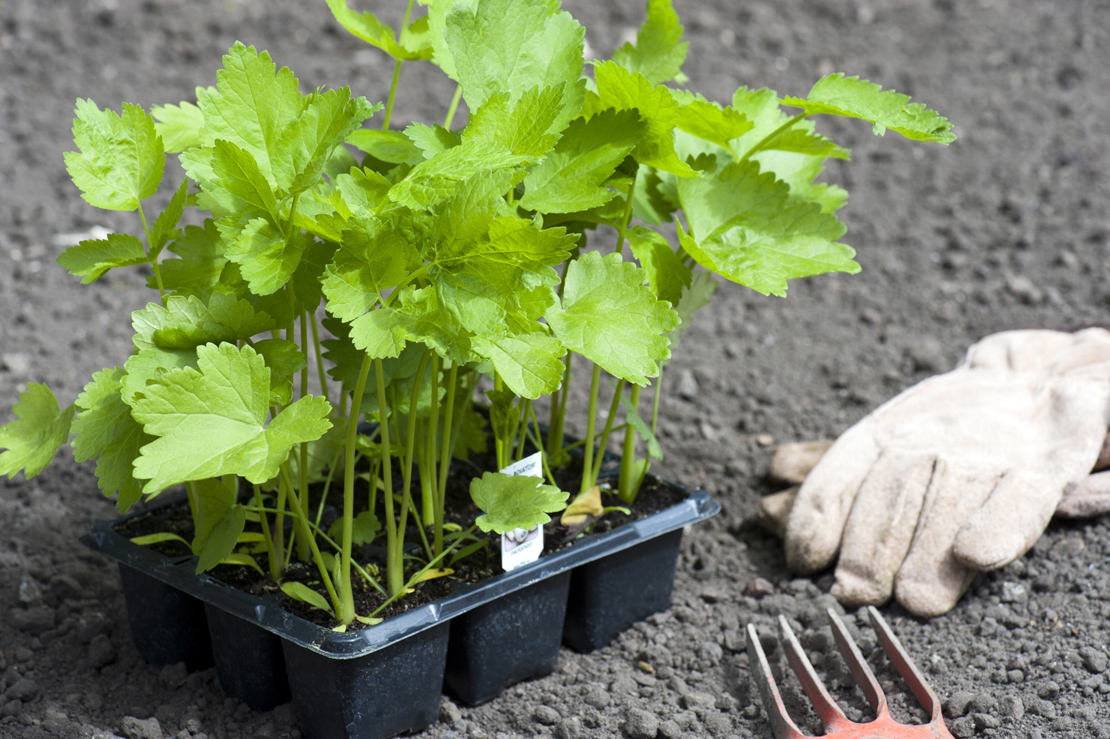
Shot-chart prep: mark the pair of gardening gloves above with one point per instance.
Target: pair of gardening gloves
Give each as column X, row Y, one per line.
column 958, row 474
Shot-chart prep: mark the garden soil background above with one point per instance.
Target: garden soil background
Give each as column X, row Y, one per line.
column 1008, row 227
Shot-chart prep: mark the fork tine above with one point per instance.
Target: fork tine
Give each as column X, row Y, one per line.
column 865, row 678
column 773, row 706
column 830, row 713
column 905, row 666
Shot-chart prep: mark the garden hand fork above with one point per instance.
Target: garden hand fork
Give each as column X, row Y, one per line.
column 832, row 718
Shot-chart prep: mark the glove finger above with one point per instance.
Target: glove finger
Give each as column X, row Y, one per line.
column 931, row 578
column 791, row 463
column 1010, row 521
column 1087, row 499
column 880, row 528
column 774, row 510
column 825, row 498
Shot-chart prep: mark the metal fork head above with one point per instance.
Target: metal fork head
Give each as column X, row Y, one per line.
column 837, row 724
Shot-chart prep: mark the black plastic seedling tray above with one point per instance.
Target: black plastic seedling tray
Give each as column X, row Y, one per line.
column 386, row 679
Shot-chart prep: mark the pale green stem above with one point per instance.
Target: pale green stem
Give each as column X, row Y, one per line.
column 628, row 451
column 447, row 121
column 344, row 609
column 319, row 357
column 153, row 262
column 394, row 567
column 272, row 559
column 591, row 421
column 349, row 481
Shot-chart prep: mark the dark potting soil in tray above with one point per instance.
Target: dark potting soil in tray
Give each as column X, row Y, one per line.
column 653, row 497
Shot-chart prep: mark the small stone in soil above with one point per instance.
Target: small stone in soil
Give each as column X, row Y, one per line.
column 758, row 588
column 639, row 724
column 546, row 715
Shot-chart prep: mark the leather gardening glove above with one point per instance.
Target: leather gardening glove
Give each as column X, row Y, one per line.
column 959, row 473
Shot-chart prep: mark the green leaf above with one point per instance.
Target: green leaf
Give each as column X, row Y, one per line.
column 186, row 322
column 529, row 364
column 480, row 278
column 530, row 126
column 237, row 173
column 252, row 106
column 436, row 179
column 165, row 225
column 201, row 260
column 695, row 296
column 612, row 319
column 795, row 154
column 430, row 140
column 211, row 421
column 667, row 274
column 362, row 192
column 710, row 122
column 307, row 144
column 284, row 360
column 221, row 539
column 307, row 279
column 571, row 177
column 394, row 147
column 659, row 50
column 178, row 125
column 121, row 159
column 90, row 259
column 370, row 260
column 305, row 594
column 620, row 89
column 266, row 257
column 363, row 529
column 511, row 46
column 34, row 439
column 106, row 430
column 414, row 44
column 743, row 228
column 836, row 94
column 515, row 502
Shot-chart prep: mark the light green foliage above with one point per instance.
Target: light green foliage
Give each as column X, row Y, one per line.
column 659, row 50
column 200, row 260
column 836, row 94
column 212, row 421
column 33, row 440
column 178, row 125
column 121, row 159
column 529, row 364
column 713, row 123
column 106, row 431
column 435, row 180
column 530, row 126
column 511, row 46
column 219, row 522
column 743, row 227
column 514, row 502
column 414, row 42
column 91, row 258
column 571, row 177
column 612, row 319
column 307, row 144
column 252, row 107
column 394, row 147
column 623, row 90
column 666, row 273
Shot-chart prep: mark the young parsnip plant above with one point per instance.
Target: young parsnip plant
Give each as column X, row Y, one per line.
column 570, row 154
column 443, row 256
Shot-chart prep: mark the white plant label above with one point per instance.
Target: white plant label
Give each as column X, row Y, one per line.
column 521, row 546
